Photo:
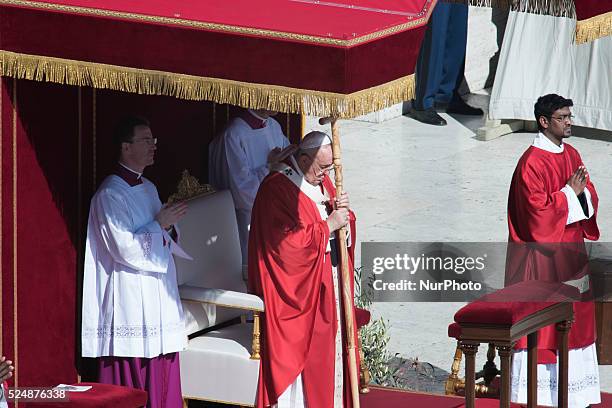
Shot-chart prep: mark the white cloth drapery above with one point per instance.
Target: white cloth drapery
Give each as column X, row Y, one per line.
column 538, row 56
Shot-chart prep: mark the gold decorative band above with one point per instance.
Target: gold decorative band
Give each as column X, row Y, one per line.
column 594, row 28
column 180, row 22
column 15, row 252
column 244, row 94
column 2, row 204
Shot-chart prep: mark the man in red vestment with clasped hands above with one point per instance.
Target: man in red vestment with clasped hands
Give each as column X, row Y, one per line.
column 293, row 266
column 552, row 208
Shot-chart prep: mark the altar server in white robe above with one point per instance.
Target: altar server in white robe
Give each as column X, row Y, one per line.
column 239, row 158
column 131, row 306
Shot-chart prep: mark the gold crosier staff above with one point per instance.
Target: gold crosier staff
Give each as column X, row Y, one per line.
column 347, row 293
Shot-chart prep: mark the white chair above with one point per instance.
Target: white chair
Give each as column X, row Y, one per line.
column 221, row 365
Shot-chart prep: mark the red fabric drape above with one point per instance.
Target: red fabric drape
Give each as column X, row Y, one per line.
column 591, row 8
column 39, row 227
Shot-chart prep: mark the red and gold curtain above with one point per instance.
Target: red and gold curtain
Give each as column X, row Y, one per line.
column 302, row 56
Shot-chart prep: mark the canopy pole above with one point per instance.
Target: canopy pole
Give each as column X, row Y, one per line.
column 347, row 293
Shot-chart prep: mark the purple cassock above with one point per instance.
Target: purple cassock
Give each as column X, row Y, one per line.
column 159, row 376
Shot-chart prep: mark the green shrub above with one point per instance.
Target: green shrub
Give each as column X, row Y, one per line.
column 374, row 338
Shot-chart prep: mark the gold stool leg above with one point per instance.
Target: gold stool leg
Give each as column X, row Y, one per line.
column 364, row 373
column 255, row 346
column 454, row 383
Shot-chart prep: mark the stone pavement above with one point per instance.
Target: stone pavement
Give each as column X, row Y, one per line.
column 412, row 182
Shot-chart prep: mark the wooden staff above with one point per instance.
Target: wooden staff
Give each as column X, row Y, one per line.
column 347, row 293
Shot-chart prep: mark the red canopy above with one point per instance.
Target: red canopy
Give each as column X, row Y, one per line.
column 345, row 57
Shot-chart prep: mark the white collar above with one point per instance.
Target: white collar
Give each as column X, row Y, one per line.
column 544, row 143
column 297, row 177
column 139, row 175
column 264, row 120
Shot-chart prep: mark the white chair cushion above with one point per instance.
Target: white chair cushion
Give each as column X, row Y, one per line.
column 222, row 297
column 217, row 366
column 198, row 316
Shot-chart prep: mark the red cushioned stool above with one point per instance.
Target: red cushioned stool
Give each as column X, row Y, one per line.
column 99, row 396
column 502, row 318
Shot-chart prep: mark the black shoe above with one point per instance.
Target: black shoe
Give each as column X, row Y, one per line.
column 458, row 106
column 428, row 116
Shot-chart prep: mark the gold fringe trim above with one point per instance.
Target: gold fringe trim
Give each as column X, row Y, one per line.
column 189, row 87
column 176, row 21
column 557, row 8
column 594, row 28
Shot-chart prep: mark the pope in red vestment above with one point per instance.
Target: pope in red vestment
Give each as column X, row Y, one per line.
column 553, row 203
column 290, row 267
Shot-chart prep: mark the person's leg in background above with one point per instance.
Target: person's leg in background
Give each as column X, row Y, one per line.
column 430, row 67
column 454, row 62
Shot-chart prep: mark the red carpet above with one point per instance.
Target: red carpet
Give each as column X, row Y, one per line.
column 394, row 398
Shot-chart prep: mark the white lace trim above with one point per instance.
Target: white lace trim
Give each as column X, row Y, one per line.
column 583, row 379
column 577, row 385
column 130, row 331
column 148, row 244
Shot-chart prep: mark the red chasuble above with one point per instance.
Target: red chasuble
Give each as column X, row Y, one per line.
column 290, row 270
column 537, row 212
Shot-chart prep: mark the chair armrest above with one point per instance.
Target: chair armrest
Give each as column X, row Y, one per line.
column 221, row 297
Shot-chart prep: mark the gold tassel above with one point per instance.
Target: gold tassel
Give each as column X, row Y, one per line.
column 244, row 94
column 593, row 28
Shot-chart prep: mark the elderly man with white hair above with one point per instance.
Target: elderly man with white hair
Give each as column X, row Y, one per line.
column 293, row 267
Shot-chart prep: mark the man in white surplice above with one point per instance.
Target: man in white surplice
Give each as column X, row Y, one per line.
column 239, row 158
column 131, row 306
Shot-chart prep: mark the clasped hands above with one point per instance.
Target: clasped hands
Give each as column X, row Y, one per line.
column 578, row 180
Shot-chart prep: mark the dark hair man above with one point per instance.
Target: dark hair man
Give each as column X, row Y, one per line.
column 131, row 306
column 553, row 202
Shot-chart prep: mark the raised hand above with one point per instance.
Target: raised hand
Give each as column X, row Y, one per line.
column 171, row 214
column 277, row 154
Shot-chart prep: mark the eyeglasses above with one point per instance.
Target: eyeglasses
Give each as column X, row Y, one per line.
column 149, row 140
column 563, row 118
column 325, row 169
